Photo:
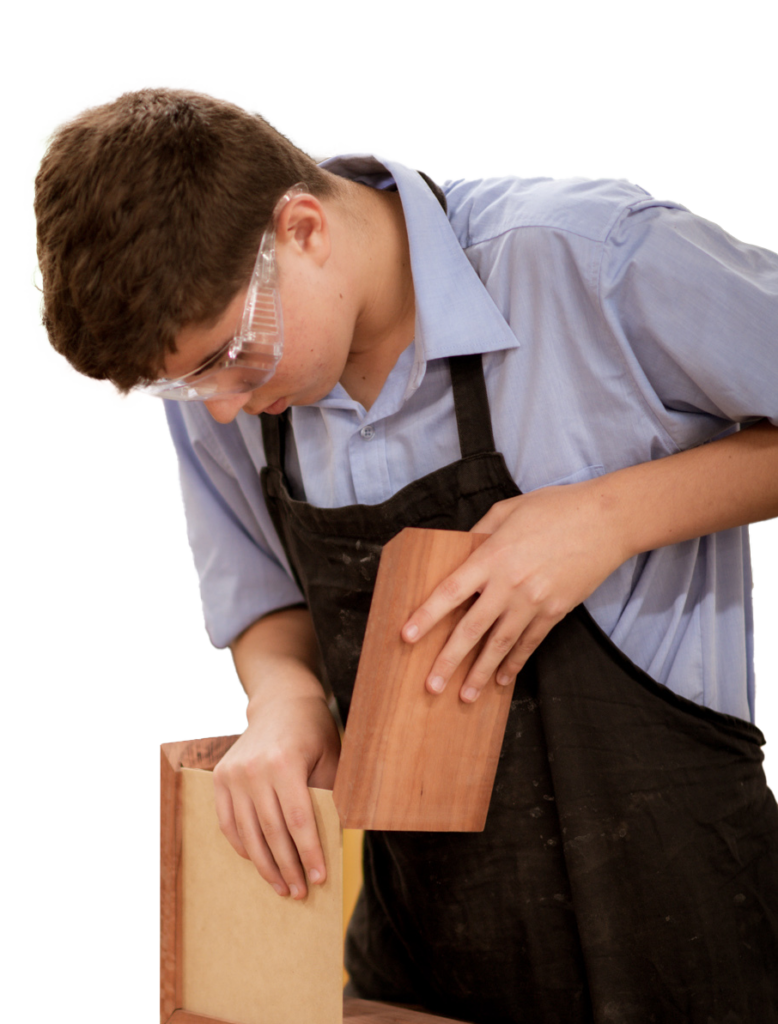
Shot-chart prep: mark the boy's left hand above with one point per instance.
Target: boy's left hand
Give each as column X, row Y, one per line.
column 547, row 552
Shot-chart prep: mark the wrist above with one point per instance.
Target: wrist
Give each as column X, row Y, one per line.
column 616, row 522
column 284, row 688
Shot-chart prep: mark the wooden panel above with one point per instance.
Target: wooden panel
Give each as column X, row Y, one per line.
column 249, row 955
column 169, row 930
column 411, row 760
column 204, row 753
column 355, row 1011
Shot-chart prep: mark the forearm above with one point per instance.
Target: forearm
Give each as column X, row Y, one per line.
column 278, row 656
column 715, row 487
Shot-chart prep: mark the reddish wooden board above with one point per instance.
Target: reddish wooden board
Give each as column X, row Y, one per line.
column 412, row 760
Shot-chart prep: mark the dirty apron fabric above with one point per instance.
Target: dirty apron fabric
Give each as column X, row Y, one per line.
column 628, row 871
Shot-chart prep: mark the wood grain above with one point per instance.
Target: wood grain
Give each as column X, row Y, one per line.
column 412, row 760
column 169, row 903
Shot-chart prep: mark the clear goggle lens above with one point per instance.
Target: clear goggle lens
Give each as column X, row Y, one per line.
column 247, row 362
column 249, row 359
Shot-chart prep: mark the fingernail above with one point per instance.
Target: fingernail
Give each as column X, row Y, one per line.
column 293, row 890
column 470, row 694
column 314, row 875
column 411, row 632
column 504, row 679
column 437, row 683
column 278, row 889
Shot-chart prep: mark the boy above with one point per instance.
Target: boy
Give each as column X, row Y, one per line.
column 443, row 353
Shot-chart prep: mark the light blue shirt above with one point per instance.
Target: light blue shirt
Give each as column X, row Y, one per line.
column 615, row 329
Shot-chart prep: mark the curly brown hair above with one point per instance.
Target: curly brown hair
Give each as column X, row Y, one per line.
column 150, row 210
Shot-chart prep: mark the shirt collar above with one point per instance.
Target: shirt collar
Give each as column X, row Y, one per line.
column 455, row 315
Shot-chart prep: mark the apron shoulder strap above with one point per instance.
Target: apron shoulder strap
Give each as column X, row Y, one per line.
column 474, row 420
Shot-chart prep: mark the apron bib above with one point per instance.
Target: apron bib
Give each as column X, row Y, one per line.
column 628, row 871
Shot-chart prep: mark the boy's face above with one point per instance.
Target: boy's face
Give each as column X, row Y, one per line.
column 317, row 325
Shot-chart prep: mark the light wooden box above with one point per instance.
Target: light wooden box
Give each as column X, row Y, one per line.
column 220, row 922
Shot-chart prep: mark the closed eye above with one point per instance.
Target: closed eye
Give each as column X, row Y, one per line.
column 211, row 361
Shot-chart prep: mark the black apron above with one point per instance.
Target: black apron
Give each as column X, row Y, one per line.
column 628, row 872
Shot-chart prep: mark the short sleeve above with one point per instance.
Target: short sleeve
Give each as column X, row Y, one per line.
column 699, row 310
column 241, row 566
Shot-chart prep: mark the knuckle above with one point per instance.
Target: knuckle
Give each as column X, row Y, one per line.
column 556, row 609
column 529, row 643
column 271, row 830
column 243, row 832
column 473, row 629
column 537, row 595
column 446, row 664
column 478, row 678
column 502, row 643
column 423, row 617
column 526, row 646
column 309, row 855
column 451, row 588
column 297, row 819
column 224, row 775
column 277, row 760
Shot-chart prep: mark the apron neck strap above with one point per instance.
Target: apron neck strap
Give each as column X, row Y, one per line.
column 274, row 437
column 471, row 403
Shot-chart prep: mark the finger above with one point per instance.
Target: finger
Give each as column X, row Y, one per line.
column 469, row 631
column 501, row 641
column 225, row 815
column 275, row 832
column 297, row 809
column 525, row 646
column 243, row 832
column 448, row 595
column 283, row 826
column 252, row 835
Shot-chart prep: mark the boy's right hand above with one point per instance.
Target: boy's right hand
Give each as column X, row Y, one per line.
column 261, row 787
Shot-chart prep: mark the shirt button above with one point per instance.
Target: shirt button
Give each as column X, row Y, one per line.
column 367, row 432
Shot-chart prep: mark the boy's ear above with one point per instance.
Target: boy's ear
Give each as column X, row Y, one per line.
column 303, row 224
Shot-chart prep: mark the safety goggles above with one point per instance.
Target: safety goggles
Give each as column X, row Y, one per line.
column 249, row 359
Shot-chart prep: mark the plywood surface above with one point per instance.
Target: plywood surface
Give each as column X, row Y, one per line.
column 247, row 954
column 411, row 760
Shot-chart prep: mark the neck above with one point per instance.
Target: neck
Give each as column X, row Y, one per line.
column 385, row 323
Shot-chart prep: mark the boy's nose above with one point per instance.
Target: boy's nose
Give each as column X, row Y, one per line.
column 224, row 410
